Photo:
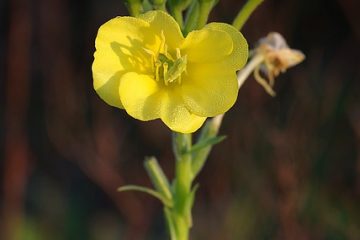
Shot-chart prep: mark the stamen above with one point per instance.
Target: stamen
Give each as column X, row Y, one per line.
column 150, row 52
column 167, row 68
column 178, row 53
column 157, row 70
column 165, row 71
column 162, row 43
column 166, row 50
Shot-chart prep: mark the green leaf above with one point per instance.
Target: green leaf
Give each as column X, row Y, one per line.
column 208, row 131
column 167, row 202
column 158, row 177
column 205, row 143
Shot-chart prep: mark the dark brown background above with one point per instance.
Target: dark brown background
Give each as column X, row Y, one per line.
column 289, row 168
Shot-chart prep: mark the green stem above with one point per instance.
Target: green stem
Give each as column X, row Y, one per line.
column 182, row 190
column 244, row 73
column 182, row 185
column 176, row 9
column 177, row 14
column 204, row 11
column 134, row 7
column 178, row 217
column 159, row 4
column 245, row 13
column 191, row 17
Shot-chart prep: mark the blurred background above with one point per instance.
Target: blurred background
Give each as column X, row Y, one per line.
column 288, row 170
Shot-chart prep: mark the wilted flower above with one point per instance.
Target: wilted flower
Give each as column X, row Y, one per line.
column 145, row 66
column 276, row 57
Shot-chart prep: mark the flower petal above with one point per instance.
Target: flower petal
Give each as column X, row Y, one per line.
column 144, row 99
column 176, row 116
column 119, row 49
column 209, row 91
column 239, row 54
column 159, row 22
column 207, row 45
column 141, row 96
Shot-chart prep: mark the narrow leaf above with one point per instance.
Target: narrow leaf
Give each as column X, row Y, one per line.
column 205, row 143
column 158, row 177
column 167, row 202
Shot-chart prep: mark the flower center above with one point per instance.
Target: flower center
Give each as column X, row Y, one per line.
column 166, row 68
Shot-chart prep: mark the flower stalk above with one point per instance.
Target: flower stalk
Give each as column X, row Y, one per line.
column 176, row 9
column 181, row 212
column 245, row 13
column 205, row 7
column 159, row 4
column 134, row 7
column 192, row 17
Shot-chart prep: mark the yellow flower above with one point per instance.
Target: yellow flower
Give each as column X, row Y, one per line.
column 145, row 66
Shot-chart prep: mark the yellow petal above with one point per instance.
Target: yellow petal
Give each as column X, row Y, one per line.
column 141, row 96
column 207, row 45
column 145, row 100
column 160, row 22
column 209, row 91
column 176, row 116
column 239, row 54
column 108, row 91
column 119, row 49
